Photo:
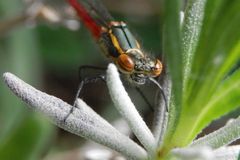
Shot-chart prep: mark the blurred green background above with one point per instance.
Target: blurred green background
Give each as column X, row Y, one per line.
column 47, row 55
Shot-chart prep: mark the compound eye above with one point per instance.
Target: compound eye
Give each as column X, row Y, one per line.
column 125, row 63
column 157, row 69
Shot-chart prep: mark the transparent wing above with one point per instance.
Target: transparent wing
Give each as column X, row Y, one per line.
column 99, row 10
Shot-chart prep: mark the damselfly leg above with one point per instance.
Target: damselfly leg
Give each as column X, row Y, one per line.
column 161, row 91
column 102, row 77
column 88, row 67
column 84, row 81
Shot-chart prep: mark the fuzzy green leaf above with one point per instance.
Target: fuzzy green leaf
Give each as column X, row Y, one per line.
column 221, row 137
column 216, row 53
column 225, row 99
column 190, row 34
column 172, row 50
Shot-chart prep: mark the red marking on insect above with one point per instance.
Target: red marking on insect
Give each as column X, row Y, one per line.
column 88, row 21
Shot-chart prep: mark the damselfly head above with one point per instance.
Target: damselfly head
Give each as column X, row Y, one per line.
column 138, row 67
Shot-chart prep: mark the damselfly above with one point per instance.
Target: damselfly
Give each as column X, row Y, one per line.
column 117, row 43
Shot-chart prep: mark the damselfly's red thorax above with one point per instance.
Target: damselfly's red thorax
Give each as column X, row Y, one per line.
column 117, row 42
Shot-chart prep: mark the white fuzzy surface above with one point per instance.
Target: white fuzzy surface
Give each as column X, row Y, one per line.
column 228, row 153
column 221, row 137
column 83, row 121
column 194, row 153
column 191, row 29
column 127, row 109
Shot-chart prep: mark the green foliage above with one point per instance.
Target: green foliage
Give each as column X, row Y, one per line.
column 172, row 46
column 65, row 49
column 210, row 48
column 27, row 141
column 21, row 137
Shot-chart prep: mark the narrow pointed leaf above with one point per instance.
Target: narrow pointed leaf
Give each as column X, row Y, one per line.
column 172, row 51
column 190, row 34
column 127, row 109
column 82, row 122
column 221, row 137
column 225, row 99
